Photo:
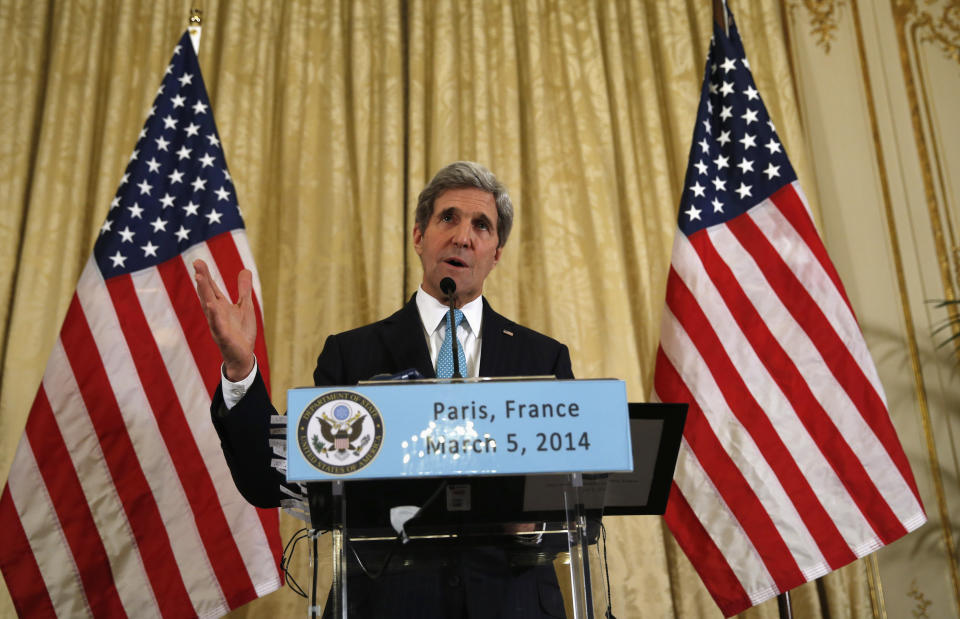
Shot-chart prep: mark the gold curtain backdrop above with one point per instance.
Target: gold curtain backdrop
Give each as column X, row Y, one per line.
column 333, row 115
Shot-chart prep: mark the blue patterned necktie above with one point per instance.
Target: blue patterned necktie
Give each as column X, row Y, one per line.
column 445, row 358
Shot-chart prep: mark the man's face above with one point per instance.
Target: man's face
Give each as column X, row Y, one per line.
column 460, row 242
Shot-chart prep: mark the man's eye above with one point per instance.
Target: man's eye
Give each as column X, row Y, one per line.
column 482, row 225
column 446, row 217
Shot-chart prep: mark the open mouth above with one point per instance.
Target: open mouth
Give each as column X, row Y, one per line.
column 456, row 262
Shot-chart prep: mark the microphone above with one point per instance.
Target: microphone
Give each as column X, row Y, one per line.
column 449, row 288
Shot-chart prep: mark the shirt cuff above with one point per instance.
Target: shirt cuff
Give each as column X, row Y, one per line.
column 232, row 392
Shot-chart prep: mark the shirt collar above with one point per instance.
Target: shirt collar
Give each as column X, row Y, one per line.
column 432, row 312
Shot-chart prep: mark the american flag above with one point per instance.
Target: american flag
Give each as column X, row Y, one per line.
column 119, row 501
column 789, row 465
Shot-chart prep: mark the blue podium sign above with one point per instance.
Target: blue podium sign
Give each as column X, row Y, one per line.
column 445, row 428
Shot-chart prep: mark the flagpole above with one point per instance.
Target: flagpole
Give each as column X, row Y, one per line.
column 720, row 15
column 783, row 605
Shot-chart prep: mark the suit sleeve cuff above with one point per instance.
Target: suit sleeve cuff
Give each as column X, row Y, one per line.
column 232, row 392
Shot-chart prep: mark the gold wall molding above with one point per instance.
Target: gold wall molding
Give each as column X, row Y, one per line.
column 916, row 26
column 940, row 27
column 824, row 18
column 894, row 236
column 944, row 32
column 923, row 604
column 910, row 17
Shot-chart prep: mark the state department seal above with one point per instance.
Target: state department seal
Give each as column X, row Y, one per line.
column 340, row 432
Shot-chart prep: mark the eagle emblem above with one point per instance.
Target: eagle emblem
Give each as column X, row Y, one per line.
column 340, row 432
column 340, row 436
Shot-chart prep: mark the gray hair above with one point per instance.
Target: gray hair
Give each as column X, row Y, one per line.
column 463, row 175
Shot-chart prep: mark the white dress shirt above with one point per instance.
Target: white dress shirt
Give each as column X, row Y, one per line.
column 432, row 318
column 433, row 315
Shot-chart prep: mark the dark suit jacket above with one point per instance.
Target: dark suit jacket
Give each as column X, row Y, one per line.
column 482, row 582
column 388, row 346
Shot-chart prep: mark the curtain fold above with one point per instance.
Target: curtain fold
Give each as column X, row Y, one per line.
column 333, row 115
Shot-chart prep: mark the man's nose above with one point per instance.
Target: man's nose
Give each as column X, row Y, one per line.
column 463, row 234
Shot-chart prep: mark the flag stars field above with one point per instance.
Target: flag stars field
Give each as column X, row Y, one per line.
column 731, row 123
column 177, row 138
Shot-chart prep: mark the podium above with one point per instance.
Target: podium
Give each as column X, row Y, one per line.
column 406, row 474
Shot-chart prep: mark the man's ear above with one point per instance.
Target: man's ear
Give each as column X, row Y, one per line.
column 417, row 239
column 496, row 255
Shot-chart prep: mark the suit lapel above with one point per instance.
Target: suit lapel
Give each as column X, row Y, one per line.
column 496, row 344
column 402, row 336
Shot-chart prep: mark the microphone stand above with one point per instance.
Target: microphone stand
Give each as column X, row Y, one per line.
column 455, row 343
column 449, row 288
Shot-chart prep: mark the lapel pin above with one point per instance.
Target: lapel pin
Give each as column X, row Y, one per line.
column 510, row 333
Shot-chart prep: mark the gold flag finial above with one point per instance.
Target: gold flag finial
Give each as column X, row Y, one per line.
column 196, row 19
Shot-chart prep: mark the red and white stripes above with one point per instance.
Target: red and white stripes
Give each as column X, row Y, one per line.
column 790, row 466
column 118, row 488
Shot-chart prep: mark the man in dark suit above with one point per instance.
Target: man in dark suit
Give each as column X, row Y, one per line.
column 463, row 219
